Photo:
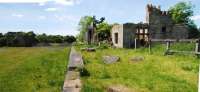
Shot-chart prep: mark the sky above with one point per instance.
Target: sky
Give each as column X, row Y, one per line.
column 61, row 17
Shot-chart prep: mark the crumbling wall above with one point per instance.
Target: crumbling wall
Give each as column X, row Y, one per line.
column 129, row 35
column 161, row 25
column 180, row 31
column 119, row 30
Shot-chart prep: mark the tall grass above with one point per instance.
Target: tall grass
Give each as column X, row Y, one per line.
column 157, row 73
column 37, row 69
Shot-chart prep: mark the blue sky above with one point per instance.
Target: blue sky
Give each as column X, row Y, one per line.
column 61, row 17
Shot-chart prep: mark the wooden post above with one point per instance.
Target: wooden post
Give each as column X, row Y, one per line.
column 168, row 45
column 197, row 49
column 135, row 44
column 149, row 46
column 168, row 48
column 199, row 80
column 143, row 34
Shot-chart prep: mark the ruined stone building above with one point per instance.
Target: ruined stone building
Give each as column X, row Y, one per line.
column 159, row 25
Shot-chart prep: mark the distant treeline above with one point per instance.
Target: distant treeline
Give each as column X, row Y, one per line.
column 28, row 39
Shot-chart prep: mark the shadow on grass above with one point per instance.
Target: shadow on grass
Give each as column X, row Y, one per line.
column 84, row 73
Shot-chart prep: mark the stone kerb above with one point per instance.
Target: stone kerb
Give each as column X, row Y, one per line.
column 72, row 82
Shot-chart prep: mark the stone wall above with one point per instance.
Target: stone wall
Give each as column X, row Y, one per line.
column 129, row 35
column 158, row 23
column 126, row 35
column 180, row 31
column 159, row 20
column 72, row 82
column 119, row 30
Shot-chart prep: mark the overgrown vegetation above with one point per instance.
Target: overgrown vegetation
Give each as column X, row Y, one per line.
column 102, row 30
column 181, row 13
column 38, row 69
column 157, row 73
column 28, row 39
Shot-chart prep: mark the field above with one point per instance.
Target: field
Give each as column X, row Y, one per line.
column 156, row 73
column 41, row 69
column 37, row 69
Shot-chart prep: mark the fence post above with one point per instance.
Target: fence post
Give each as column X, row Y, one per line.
column 167, row 48
column 149, row 46
column 135, row 43
column 197, row 49
column 168, row 45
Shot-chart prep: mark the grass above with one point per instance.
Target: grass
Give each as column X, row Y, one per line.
column 157, row 73
column 37, row 69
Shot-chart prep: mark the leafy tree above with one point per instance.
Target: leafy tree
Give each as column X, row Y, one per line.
column 42, row 38
column 83, row 26
column 30, row 38
column 20, row 39
column 69, row 39
column 10, row 36
column 58, row 39
column 2, row 40
column 103, row 31
column 181, row 13
column 194, row 32
column 1, row 35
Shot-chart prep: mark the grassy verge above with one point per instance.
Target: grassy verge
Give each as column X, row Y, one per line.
column 38, row 69
column 157, row 73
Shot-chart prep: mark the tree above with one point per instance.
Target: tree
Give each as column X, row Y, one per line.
column 194, row 32
column 30, row 38
column 181, row 13
column 103, row 31
column 58, row 39
column 42, row 38
column 2, row 40
column 83, row 26
column 69, row 39
column 1, row 35
column 10, row 36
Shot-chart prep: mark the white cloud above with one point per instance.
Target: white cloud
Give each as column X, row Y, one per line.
column 196, row 17
column 67, row 17
column 51, row 9
column 43, row 2
column 18, row 15
column 42, row 17
column 23, row 1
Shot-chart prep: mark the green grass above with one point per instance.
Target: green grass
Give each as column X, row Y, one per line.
column 37, row 69
column 181, row 46
column 157, row 73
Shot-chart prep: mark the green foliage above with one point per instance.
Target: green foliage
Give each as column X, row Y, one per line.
column 69, row 39
column 42, row 38
column 28, row 39
column 193, row 30
column 104, row 45
column 39, row 69
column 2, row 40
column 181, row 12
column 20, row 39
column 103, row 31
column 83, row 26
column 183, row 46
